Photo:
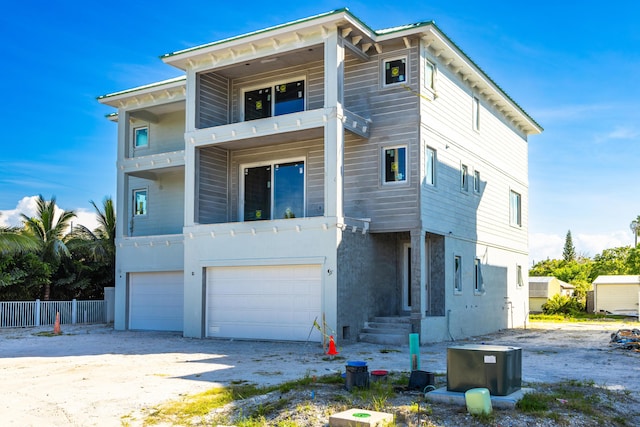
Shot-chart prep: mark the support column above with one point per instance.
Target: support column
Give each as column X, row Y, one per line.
column 333, row 129
column 418, row 278
column 190, row 166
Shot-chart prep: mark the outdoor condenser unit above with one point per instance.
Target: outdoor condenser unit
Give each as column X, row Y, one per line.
column 497, row 368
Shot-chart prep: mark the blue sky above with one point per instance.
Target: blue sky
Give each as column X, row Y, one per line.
column 570, row 64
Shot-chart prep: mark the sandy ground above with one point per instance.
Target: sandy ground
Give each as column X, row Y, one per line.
column 95, row 376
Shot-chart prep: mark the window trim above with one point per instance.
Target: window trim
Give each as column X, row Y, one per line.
column 434, row 74
column 475, row 114
column 134, row 197
column 134, row 137
column 271, row 163
column 271, row 84
column 383, row 164
column 519, row 276
column 476, row 181
column 515, row 222
column 457, row 274
column 383, row 74
column 434, row 170
column 464, row 177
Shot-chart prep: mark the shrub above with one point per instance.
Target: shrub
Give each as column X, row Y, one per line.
column 562, row 304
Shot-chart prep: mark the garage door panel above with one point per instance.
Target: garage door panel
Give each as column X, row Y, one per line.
column 156, row 301
column 266, row 302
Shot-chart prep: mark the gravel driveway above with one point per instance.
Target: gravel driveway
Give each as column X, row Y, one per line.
column 93, row 375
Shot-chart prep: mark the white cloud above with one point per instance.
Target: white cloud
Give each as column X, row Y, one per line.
column 27, row 206
column 544, row 245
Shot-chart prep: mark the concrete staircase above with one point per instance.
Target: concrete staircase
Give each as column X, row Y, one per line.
column 392, row 330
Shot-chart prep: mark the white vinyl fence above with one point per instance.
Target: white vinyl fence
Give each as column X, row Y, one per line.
column 16, row 314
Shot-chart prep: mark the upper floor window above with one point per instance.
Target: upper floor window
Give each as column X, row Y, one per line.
column 457, row 274
column 476, row 181
column 394, row 164
column 515, row 208
column 394, row 71
column 141, row 137
column 430, row 75
column 430, row 163
column 273, row 191
column 464, row 177
column 282, row 98
column 476, row 113
column 139, row 202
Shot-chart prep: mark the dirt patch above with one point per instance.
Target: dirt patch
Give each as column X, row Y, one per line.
column 96, row 376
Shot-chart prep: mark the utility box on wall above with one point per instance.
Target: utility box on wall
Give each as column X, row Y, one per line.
column 497, row 368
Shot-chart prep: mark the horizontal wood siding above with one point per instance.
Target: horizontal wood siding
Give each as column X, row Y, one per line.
column 395, row 121
column 313, row 72
column 165, row 135
column 498, row 151
column 213, row 100
column 165, row 204
column 313, row 153
column 213, row 186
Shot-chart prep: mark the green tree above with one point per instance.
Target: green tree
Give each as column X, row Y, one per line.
column 569, row 252
column 49, row 228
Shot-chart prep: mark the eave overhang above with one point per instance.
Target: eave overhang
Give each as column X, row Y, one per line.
column 167, row 90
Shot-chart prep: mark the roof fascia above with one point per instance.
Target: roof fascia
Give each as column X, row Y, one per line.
column 114, row 99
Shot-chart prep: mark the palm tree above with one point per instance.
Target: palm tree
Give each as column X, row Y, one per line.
column 13, row 240
column 49, row 230
column 101, row 241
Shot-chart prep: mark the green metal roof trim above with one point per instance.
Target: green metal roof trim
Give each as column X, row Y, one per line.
column 139, row 88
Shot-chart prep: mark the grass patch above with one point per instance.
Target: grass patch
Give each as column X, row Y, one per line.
column 578, row 317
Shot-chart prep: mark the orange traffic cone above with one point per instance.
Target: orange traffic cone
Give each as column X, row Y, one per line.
column 332, row 347
column 56, row 326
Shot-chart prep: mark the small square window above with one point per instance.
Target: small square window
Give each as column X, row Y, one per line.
column 141, row 137
column 430, row 161
column 464, row 177
column 457, row 274
column 395, row 71
column 476, row 181
column 140, row 202
column 395, row 164
column 515, row 208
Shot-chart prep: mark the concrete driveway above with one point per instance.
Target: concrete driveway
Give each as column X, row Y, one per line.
column 93, row 375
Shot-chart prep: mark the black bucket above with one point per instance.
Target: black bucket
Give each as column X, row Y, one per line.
column 357, row 376
column 421, row 380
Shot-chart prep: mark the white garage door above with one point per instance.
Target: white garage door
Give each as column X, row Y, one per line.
column 156, row 301
column 266, row 302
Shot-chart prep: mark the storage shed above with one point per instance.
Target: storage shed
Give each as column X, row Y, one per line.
column 617, row 294
column 543, row 288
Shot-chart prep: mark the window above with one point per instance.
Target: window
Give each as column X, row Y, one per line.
column 141, row 137
column 464, row 172
column 476, row 181
column 430, row 75
column 395, row 71
column 139, row 202
column 394, row 164
column 457, row 274
column 476, row 113
column 430, row 162
column 283, row 98
column 273, row 191
column 515, row 208
column 519, row 280
column 478, row 285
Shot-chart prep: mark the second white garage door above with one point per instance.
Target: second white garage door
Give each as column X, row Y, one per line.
column 156, row 301
column 264, row 302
